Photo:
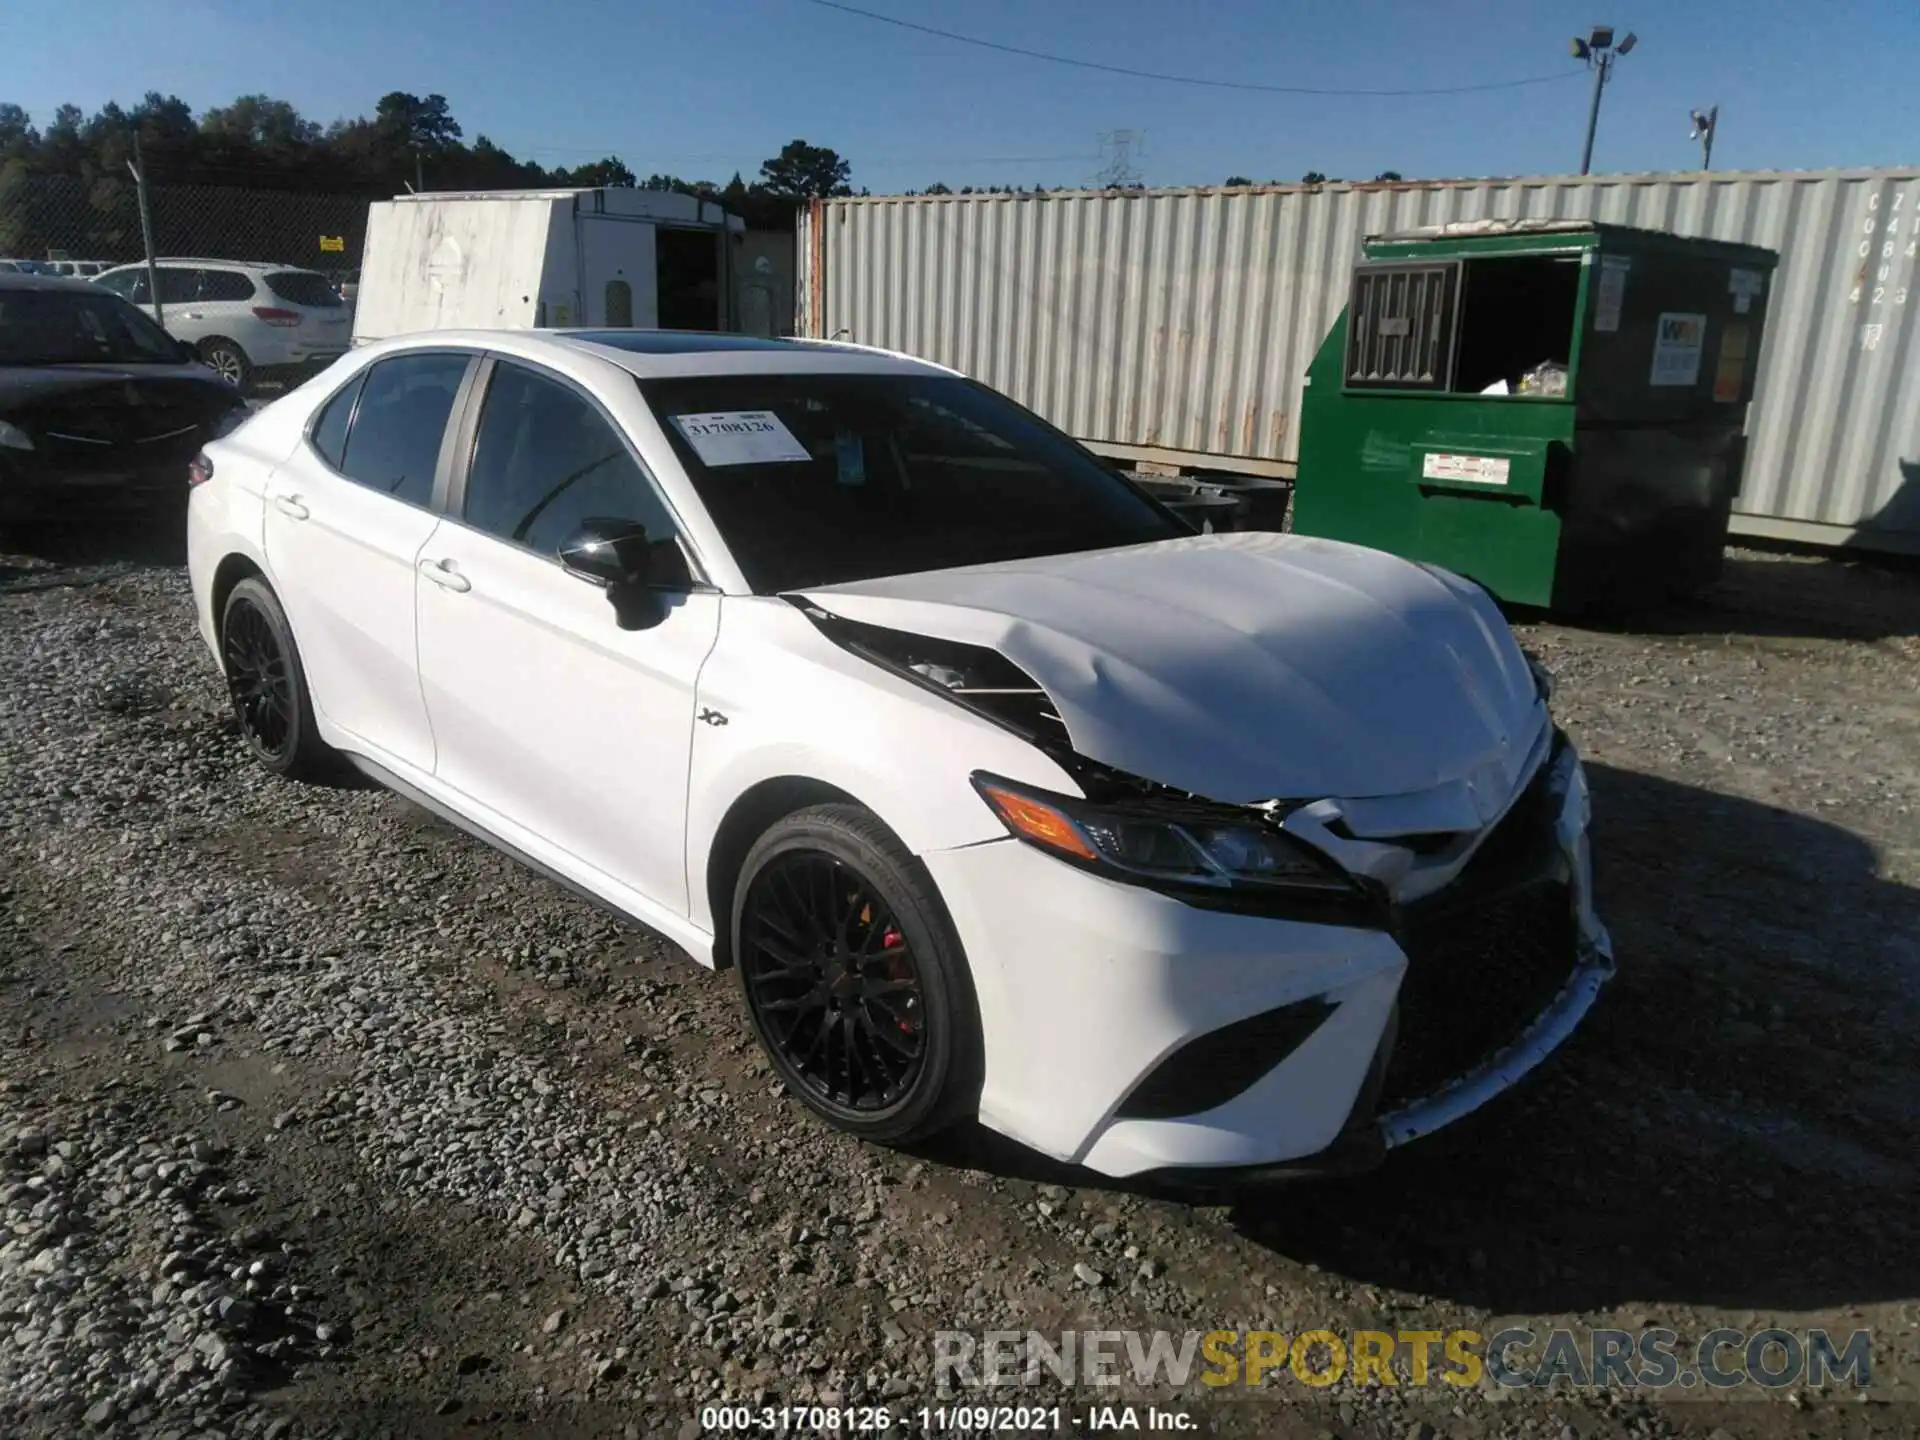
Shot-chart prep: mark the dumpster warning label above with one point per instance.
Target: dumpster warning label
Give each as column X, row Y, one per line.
column 1611, row 292
column 1676, row 349
column 1481, row 469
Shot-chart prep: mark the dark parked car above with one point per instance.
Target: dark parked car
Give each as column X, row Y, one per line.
column 96, row 400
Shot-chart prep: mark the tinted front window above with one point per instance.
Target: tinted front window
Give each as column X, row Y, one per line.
column 822, row 479
column 76, row 327
column 225, row 285
column 303, row 287
column 545, row 460
column 394, row 445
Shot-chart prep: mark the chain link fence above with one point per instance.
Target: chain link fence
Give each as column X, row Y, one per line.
column 97, row 218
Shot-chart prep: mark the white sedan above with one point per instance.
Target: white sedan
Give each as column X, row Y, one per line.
column 1003, row 793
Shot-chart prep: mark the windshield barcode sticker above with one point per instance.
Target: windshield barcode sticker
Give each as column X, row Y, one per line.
column 740, row 437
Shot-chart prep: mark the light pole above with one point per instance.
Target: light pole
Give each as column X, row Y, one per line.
column 1599, row 51
column 1704, row 124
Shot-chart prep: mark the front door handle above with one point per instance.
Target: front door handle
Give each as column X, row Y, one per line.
column 442, row 573
column 290, row 506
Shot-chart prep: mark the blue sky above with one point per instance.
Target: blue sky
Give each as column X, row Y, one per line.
column 703, row 87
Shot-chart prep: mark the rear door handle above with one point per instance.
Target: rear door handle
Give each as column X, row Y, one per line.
column 290, row 506
column 443, row 574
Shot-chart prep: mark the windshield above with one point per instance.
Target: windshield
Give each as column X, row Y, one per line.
column 823, row 479
column 78, row 327
column 304, row 287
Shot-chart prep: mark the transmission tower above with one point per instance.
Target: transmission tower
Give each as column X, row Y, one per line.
column 1119, row 148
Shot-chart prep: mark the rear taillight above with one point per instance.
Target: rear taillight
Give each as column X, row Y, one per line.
column 199, row 469
column 275, row 316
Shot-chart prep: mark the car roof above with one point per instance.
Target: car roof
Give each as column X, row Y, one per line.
column 28, row 280
column 657, row 354
column 684, row 342
column 651, row 354
column 210, row 260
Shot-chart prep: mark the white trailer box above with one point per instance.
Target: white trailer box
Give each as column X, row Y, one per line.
column 529, row 259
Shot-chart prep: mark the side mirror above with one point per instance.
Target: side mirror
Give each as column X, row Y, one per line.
column 613, row 553
column 637, row 571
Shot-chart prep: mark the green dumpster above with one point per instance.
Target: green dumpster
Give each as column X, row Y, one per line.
column 1554, row 408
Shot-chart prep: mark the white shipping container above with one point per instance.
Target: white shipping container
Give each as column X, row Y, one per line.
column 1176, row 326
column 528, row 259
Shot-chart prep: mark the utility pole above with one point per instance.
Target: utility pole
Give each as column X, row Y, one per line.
column 1599, row 51
column 1704, row 124
column 419, row 173
column 139, row 168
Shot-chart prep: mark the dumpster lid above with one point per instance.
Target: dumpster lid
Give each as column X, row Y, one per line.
column 1637, row 236
column 1455, row 228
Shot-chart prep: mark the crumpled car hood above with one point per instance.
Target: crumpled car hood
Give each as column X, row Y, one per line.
column 1245, row 667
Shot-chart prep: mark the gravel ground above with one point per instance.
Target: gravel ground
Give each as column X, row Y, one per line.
column 317, row 1118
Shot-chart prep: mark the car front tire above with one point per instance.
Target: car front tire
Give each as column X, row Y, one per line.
column 853, row 978
column 268, row 686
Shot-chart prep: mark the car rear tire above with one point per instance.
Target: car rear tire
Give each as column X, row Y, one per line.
column 228, row 360
column 853, row 978
column 267, row 685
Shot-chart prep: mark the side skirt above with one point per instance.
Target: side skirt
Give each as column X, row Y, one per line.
column 385, row 778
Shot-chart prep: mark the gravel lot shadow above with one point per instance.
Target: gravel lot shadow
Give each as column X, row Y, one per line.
column 1735, row 1125
column 1785, row 595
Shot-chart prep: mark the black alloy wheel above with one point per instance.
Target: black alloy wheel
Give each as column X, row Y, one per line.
column 831, row 974
column 852, row 977
column 267, row 685
column 259, row 680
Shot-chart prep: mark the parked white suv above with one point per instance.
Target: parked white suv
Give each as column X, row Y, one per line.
column 249, row 321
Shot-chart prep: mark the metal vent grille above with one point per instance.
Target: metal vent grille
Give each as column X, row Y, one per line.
column 1401, row 324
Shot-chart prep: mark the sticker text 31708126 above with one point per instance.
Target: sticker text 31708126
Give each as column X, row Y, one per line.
column 740, row 437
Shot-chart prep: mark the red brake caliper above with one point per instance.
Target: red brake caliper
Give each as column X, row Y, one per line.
column 897, row 969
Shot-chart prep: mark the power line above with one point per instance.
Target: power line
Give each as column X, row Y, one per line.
column 1182, row 79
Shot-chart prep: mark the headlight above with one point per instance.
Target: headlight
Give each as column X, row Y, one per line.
column 12, row 437
column 1181, row 847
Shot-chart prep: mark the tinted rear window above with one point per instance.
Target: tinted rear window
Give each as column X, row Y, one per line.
column 394, row 443
column 303, row 287
column 225, row 285
column 330, row 430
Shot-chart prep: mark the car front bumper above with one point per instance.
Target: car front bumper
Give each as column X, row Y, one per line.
column 31, row 488
column 1087, row 988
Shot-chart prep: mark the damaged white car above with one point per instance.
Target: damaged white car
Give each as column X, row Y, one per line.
column 1002, row 792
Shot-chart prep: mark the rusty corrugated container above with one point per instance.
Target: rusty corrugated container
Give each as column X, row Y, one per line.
column 1177, row 326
